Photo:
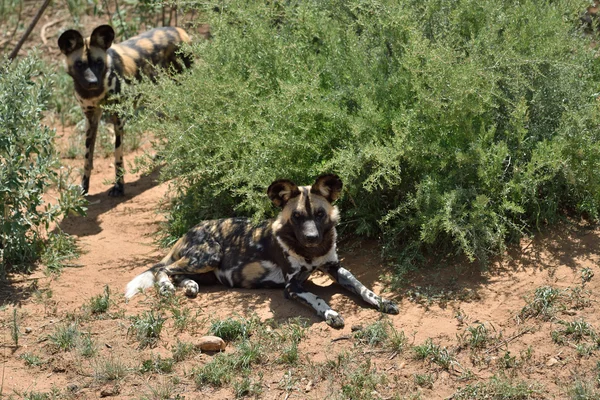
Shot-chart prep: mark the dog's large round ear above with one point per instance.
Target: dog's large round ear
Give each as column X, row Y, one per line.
column 328, row 186
column 102, row 37
column 70, row 41
column 281, row 191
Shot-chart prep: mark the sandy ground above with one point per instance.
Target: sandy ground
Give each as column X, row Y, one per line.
column 116, row 237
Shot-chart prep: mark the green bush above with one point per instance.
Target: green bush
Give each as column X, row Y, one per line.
column 28, row 166
column 455, row 125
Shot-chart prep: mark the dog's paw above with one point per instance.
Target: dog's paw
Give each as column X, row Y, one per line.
column 191, row 289
column 166, row 288
column 388, row 307
column 334, row 319
column 118, row 190
column 85, row 185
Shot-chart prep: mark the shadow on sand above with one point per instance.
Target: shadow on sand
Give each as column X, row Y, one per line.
column 564, row 245
column 20, row 287
column 100, row 203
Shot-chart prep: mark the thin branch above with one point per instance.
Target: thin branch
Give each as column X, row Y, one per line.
column 37, row 17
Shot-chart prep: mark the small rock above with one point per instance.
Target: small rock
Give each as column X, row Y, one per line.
column 552, row 361
column 72, row 387
column 356, row 328
column 211, row 343
column 108, row 345
column 28, row 330
column 570, row 312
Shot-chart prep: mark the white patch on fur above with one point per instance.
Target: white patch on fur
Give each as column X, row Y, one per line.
column 143, row 281
column 275, row 273
column 331, row 313
column 317, row 303
column 364, row 292
column 225, row 277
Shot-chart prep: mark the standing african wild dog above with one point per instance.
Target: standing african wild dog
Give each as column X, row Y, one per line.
column 282, row 252
column 99, row 67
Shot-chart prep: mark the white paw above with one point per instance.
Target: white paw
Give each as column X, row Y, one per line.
column 191, row 289
column 166, row 288
column 334, row 319
column 388, row 307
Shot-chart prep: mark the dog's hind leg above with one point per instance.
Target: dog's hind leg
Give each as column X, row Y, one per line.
column 345, row 278
column 199, row 258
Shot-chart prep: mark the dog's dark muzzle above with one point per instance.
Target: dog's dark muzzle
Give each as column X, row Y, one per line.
column 90, row 79
column 311, row 234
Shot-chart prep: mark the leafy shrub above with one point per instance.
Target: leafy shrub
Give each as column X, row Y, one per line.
column 455, row 125
column 28, row 166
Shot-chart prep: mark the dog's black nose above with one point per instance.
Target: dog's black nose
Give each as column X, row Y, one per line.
column 310, row 232
column 90, row 78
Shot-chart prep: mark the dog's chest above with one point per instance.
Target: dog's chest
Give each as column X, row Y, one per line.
column 302, row 267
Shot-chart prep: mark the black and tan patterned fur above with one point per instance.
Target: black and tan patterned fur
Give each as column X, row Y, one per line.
column 99, row 68
column 282, row 252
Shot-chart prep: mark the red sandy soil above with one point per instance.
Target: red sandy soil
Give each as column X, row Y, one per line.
column 117, row 241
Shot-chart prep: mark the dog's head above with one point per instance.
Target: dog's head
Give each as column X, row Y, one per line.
column 307, row 220
column 86, row 58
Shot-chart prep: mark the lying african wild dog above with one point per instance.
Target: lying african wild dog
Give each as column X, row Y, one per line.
column 99, row 67
column 282, row 252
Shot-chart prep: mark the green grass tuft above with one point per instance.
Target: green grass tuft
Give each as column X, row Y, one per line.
column 230, row 329
column 147, row 328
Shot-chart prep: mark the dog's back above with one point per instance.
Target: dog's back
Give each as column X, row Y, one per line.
column 155, row 48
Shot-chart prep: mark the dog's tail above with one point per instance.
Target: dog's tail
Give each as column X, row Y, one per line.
column 141, row 282
column 147, row 279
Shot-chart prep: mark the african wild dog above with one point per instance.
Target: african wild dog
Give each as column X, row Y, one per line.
column 99, row 68
column 282, row 252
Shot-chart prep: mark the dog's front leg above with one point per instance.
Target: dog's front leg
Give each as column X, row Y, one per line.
column 92, row 119
column 345, row 278
column 119, row 187
column 294, row 290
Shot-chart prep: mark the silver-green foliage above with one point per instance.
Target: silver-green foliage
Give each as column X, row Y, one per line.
column 29, row 165
column 455, row 125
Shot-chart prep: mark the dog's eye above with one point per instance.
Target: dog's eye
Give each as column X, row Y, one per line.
column 320, row 214
column 296, row 215
column 78, row 64
column 99, row 62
